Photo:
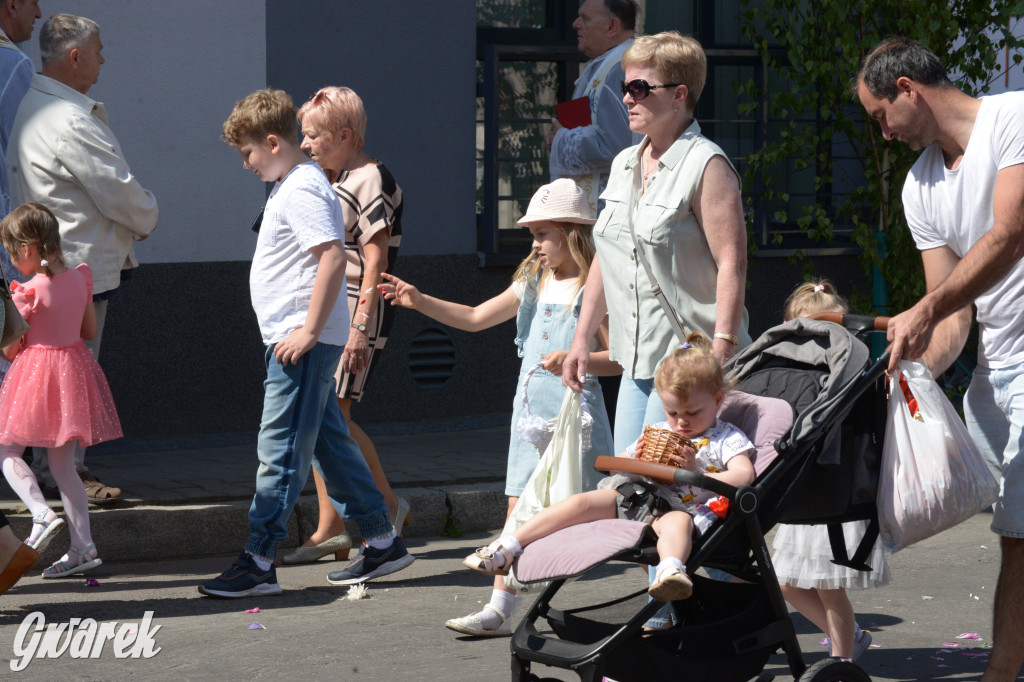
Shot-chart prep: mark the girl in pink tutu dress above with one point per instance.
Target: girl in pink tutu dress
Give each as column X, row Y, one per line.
column 55, row 392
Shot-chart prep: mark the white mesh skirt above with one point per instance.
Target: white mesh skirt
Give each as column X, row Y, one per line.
column 803, row 558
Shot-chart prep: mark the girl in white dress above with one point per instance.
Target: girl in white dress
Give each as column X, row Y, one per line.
column 810, row 582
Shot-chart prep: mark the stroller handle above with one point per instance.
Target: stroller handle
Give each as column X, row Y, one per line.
column 855, row 323
column 664, row 474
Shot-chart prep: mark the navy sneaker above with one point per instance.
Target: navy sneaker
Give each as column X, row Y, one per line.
column 373, row 563
column 243, row 579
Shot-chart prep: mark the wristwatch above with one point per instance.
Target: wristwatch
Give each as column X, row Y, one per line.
column 360, row 327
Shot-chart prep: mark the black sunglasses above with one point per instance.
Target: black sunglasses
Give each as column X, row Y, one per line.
column 638, row 88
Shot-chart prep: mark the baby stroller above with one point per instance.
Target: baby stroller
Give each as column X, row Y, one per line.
column 798, row 387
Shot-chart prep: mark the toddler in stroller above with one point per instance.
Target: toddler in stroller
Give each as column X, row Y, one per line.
column 725, row 631
column 691, row 385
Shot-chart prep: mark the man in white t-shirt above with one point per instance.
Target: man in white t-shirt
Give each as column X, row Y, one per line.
column 964, row 203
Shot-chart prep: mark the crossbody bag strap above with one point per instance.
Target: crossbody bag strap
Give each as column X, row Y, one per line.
column 655, row 287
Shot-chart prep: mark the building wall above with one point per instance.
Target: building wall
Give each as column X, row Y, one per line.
column 181, row 348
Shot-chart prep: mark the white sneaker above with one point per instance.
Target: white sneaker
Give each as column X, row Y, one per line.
column 861, row 642
column 474, row 625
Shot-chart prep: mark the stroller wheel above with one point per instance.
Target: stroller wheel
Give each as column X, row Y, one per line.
column 835, row 670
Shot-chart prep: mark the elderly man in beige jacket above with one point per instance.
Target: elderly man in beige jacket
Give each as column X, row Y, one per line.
column 63, row 155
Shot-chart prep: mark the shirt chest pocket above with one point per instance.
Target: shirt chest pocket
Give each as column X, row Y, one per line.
column 654, row 224
column 270, row 228
column 612, row 219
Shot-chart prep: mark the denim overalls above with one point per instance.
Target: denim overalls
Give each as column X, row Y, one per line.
column 540, row 329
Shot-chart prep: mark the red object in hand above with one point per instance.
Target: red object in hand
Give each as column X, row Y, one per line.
column 574, row 113
column 720, row 506
column 911, row 400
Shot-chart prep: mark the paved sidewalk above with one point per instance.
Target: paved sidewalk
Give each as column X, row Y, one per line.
column 188, row 497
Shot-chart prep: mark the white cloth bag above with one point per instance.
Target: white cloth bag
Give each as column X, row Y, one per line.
column 558, row 474
column 933, row 476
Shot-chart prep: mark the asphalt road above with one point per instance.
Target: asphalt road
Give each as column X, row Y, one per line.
column 942, row 588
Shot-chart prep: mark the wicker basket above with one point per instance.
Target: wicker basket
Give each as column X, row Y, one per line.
column 659, row 444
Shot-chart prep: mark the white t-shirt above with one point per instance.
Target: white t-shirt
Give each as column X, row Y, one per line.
column 954, row 208
column 553, row 292
column 302, row 212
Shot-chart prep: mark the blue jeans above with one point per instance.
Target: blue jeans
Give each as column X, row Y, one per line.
column 638, row 405
column 302, row 425
column 994, row 413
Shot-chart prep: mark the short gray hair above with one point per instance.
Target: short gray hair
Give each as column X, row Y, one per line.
column 62, row 32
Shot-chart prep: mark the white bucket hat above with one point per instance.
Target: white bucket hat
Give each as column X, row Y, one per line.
column 561, row 201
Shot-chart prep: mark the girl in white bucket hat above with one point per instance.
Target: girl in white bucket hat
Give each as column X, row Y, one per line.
column 545, row 298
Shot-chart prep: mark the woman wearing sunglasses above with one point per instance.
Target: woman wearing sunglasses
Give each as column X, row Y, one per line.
column 673, row 206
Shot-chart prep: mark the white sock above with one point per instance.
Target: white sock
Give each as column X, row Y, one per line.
column 382, row 541
column 669, row 563
column 501, row 601
column 263, row 562
column 510, row 543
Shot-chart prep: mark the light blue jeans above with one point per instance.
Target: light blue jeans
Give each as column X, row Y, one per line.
column 638, row 404
column 994, row 413
column 302, row 425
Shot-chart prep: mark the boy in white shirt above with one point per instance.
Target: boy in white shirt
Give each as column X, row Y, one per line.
column 297, row 271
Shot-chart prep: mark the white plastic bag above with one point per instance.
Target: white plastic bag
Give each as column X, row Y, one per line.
column 933, row 476
column 558, row 474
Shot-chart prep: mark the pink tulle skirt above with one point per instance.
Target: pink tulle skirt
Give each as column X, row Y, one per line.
column 53, row 395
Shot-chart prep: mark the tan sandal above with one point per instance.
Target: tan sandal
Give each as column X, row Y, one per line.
column 96, row 491
column 485, row 560
column 670, row 584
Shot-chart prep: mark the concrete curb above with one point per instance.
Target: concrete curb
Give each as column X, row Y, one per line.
column 160, row 532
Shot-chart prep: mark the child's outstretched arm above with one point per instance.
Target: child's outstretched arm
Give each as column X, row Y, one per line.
column 467, row 318
column 330, row 275
column 89, row 324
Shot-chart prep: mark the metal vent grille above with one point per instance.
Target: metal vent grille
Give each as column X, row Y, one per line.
column 432, row 357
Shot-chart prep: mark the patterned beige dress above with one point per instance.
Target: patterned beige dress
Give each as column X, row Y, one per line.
column 371, row 201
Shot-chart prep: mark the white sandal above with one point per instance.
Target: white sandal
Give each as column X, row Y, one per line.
column 484, row 560
column 83, row 563
column 670, row 584
column 48, row 530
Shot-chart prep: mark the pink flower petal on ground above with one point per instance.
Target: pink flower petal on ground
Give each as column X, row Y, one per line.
column 256, row 626
column 255, row 610
column 91, row 582
column 968, row 635
column 825, row 642
column 951, row 645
